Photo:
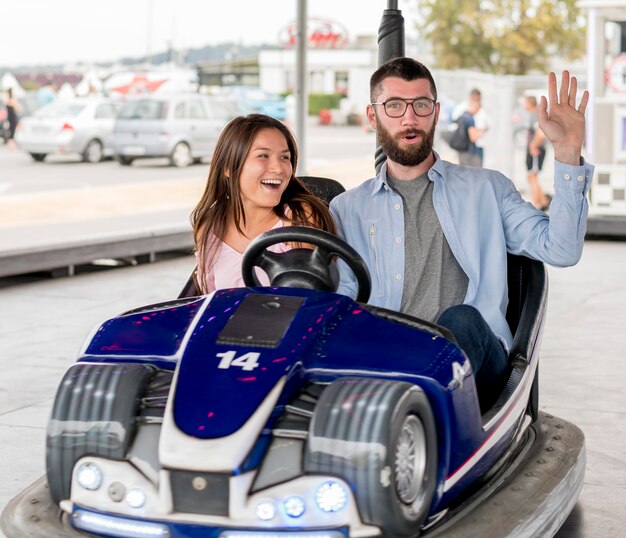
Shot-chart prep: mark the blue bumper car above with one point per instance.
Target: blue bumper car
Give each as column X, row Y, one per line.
column 292, row 411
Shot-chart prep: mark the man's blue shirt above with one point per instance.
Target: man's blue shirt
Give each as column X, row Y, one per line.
column 482, row 217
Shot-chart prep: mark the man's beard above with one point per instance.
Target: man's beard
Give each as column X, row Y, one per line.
column 413, row 154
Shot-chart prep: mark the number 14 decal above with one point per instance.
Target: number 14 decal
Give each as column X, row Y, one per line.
column 247, row 361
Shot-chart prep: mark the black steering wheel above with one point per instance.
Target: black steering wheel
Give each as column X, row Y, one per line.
column 303, row 267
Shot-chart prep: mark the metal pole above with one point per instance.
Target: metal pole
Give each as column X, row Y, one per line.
column 390, row 45
column 302, row 105
column 149, row 33
column 592, row 67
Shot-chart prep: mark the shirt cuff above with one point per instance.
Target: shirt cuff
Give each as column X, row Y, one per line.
column 573, row 178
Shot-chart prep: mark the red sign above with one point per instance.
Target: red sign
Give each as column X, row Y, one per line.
column 615, row 74
column 139, row 85
column 322, row 34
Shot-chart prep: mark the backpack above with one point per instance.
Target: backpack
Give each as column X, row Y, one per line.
column 457, row 136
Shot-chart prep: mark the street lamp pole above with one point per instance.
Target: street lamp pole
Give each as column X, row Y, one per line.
column 149, row 33
column 390, row 45
column 301, row 84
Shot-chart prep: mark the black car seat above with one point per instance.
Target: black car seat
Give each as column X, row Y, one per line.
column 189, row 289
column 323, row 187
column 528, row 294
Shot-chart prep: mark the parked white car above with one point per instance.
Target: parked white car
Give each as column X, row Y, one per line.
column 182, row 127
column 80, row 126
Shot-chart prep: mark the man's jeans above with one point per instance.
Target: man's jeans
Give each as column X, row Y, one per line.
column 485, row 352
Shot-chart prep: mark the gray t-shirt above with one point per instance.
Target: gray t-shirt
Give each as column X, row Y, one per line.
column 433, row 279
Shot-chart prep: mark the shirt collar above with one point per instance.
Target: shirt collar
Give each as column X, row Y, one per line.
column 380, row 181
column 435, row 172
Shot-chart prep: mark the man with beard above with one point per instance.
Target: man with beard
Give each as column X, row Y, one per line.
column 435, row 235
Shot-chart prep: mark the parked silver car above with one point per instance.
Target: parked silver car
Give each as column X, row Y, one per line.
column 70, row 126
column 182, row 127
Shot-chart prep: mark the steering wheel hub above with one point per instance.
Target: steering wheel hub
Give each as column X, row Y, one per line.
column 304, row 267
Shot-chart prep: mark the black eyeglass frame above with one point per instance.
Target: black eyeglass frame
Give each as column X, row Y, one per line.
column 408, row 102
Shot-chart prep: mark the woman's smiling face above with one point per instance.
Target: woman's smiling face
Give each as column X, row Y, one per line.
column 266, row 171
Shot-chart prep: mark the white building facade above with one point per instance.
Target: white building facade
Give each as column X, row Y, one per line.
column 344, row 71
column 606, row 113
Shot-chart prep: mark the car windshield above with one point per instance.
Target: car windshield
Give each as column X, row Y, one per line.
column 145, row 109
column 60, row 108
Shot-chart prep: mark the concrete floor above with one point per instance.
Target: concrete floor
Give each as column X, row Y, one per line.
column 44, row 323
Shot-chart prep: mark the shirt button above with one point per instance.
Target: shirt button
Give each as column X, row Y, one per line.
column 398, row 276
column 397, row 206
column 580, row 178
column 567, row 177
column 398, row 240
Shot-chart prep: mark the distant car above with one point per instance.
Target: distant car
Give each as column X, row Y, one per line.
column 256, row 100
column 182, row 127
column 70, row 126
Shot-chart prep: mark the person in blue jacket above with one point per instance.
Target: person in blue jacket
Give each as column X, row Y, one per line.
column 435, row 235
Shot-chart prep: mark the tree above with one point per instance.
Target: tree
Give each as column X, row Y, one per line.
column 510, row 37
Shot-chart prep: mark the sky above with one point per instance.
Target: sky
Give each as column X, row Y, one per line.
column 36, row 32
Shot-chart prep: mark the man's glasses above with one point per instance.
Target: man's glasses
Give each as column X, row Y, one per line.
column 396, row 107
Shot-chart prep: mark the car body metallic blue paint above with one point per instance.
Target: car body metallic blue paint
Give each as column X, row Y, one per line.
column 152, row 331
column 330, row 336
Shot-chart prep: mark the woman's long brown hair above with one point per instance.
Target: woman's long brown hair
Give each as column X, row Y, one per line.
column 222, row 194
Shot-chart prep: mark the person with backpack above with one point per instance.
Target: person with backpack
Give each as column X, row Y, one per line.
column 472, row 126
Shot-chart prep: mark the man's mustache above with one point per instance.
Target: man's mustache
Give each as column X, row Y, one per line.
column 410, row 132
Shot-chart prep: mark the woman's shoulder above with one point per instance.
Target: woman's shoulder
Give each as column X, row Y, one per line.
column 280, row 224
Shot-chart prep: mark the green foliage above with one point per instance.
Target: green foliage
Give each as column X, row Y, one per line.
column 29, row 85
column 510, row 37
column 320, row 101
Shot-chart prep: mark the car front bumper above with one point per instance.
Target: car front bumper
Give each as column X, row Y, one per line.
column 531, row 497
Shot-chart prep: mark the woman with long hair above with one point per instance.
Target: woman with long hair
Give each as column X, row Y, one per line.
column 251, row 189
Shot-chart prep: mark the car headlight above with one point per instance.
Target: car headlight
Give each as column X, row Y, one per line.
column 266, row 510
column 103, row 524
column 135, row 498
column 89, row 476
column 294, row 506
column 331, row 496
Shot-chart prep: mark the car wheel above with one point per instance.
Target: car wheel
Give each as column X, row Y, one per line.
column 380, row 437
column 93, row 152
column 124, row 161
column 181, row 155
column 38, row 157
column 93, row 413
